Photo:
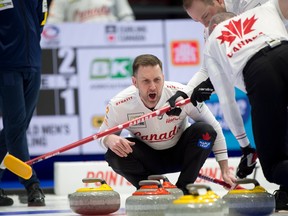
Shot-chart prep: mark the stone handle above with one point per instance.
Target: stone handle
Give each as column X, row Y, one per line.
column 94, row 180
column 194, row 188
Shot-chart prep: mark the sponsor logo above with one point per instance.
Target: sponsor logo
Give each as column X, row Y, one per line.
column 173, row 87
column 132, row 116
column 50, row 35
column 97, row 121
column 125, row 33
column 171, row 119
column 111, row 178
column 102, row 68
column 185, row 53
column 204, row 144
column 124, row 100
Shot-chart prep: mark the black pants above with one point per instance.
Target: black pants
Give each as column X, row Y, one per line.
column 19, row 95
column 266, row 79
column 187, row 156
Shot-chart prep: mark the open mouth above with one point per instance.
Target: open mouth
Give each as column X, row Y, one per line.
column 152, row 96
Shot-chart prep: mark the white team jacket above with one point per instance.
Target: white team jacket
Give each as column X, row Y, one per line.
column 231, row 45
column 160, row 133
column 233, row 6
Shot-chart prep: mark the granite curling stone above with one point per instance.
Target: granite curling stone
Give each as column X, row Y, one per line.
column 176, row 192
column 202, row 201
column 150, row 202
column 249, row 202
column 95, row 201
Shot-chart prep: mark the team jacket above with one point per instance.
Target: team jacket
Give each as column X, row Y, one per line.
column 236, row 7
column 21, row 24
column 227, row 52
column 160, row 133
column 89, row 11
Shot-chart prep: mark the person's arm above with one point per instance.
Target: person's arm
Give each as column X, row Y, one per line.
column 196, row 80
column 42, row 11
column 203, row 114
column 199, row 88
column 110, row 120
column 57, row 11
column 227, row 175
column 116, row 143
column 123, row 10
column 226, row 94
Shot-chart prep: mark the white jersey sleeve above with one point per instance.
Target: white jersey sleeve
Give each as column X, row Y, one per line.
column 226, row 94
column 199, row 77
column 109, row 122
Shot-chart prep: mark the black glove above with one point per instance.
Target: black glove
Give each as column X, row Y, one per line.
column 175, row 111
column 202, row 92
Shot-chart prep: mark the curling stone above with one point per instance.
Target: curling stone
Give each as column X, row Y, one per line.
column 249, row 202
column 202, row 201
column 94, row 201
column 176, row 192
column 150, row 202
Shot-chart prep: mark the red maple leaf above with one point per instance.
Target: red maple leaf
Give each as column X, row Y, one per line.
column 247, row 25
column 235, row 28
column 226, row 36
column 206, row 136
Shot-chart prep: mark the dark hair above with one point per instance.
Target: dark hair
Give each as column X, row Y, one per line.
column 145, row 60
column 188, row 3
column 218, row 18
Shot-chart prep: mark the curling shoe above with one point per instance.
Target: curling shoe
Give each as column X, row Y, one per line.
column 4, row 200
column 36, row 196
column 281, row 199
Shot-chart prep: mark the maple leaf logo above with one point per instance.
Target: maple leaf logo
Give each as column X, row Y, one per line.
column 237, row 28
column 206, row 136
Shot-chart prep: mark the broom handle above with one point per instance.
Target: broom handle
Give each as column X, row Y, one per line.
column 135, row 121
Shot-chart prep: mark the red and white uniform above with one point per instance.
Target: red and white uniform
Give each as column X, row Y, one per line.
column 230, row 46
column 236, row 7
column 160, row 133
column 233, row 6
column 89, row 11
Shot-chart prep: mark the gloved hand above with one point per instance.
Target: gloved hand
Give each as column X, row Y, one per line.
column 247, row 163
column 175, row 111
column 202, row 92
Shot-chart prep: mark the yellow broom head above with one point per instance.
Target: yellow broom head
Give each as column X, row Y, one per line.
column 17, row 166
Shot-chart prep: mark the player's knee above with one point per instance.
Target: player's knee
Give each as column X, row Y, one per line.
column 206, row 131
